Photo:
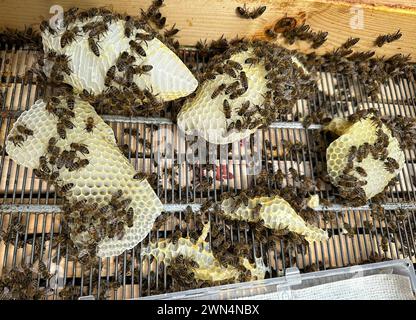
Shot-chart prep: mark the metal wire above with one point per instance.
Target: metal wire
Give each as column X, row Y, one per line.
column 36, row 204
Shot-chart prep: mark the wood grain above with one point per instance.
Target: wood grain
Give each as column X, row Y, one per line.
column 200, row 19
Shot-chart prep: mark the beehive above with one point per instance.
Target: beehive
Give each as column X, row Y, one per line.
column 357, row 134
column 107, row 172
column 209, row 268
column 193, row 21
column 276, row 213
column 169, row 78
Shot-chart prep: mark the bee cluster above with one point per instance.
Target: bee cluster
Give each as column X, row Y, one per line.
column 287, row 26
column 13, row 231
column 387, row 38
column 370, row 71
column 95, row 222
column 122, row 94
column 28, row 37
column 198, row 266
column 352, row 182
column 22, row 283
column 285, row 82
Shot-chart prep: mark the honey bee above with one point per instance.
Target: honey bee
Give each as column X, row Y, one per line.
column 70, row 15
column 171, row 32
column 382, row 39
column 69, row 36
column 137, row 48
column 70, row 102
column 52, row 145
column 44, row 25
column 128, row 26
column 382, row 138
column 349, row 166
column 252, row 60
column 257, row 12
column 230, row 71
column 318, row 39
column 87, row 96
column 238, row 125
column 93, row 46
column 67, row 187
column 60, row 161
column 159, row 20
column 79, row 204
column 152, row 98
column 235, row 65
column 110, row 76
column 79, row 147
column 53, row 176
column 89, row 124
column 391, row 165
column 98, row 29
column 361, row 171
column 122, row 61
column 60, row 128
column 83, row 163
column 363, row 151
column 237, row 93
column 24, row 130
column 231, row 87
column 244, row 81
column 294, row 174
column 243, row 12
column 352, row 153
column 218, row 90
column 361, row 56
column 89, row 26
column 244, row 107
column 43, row 270
column 40, row 174
column 350, row 42
column 358, row 192
column 43, row 164
column 67, row 123
column 52, row 103
column 125, row 202
column 144, row 36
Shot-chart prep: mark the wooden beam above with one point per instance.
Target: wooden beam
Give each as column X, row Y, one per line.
column 200, row 19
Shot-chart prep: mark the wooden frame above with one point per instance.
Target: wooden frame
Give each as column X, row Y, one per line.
column 200, row 19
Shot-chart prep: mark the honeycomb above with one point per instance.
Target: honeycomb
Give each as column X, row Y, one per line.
column 209, row 268
column 169, row 79
column 357, row 134
column 276, row 213
column 107, row 172
column 203, row 116
column 313, row 201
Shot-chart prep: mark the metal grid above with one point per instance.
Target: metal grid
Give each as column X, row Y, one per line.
column 36, row 205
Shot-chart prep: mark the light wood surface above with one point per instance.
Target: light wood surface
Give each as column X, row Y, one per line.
column 200, row 19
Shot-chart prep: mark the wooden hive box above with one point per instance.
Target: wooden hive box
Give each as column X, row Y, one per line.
column 200, row 19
